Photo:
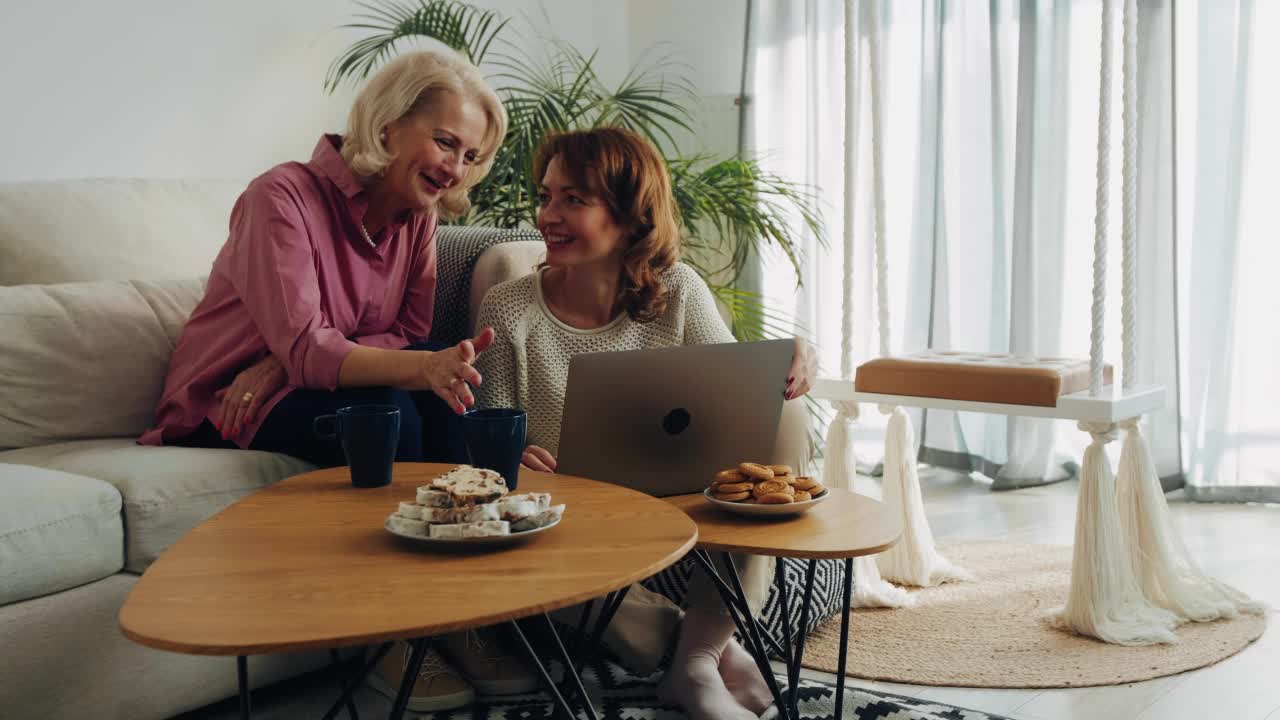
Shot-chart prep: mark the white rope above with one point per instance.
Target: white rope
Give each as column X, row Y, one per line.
column 877, row 180
column 1166, row 573
column 1101, row 206
column 1128, row 230
column 840, row 463
column 850, row 184
column 913, row 560
column 1104, row 600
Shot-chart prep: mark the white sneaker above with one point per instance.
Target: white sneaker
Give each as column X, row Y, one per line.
column 438, row 686
column 490, row 667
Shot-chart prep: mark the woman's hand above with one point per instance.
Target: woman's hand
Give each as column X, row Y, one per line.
column 536, row 458
column 450, row 373
column 251, row 387
column 804, row 368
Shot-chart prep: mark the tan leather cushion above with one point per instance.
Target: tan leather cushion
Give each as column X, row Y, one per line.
column 976, row 377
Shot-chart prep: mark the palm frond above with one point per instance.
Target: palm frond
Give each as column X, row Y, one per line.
column 751, row 318
column 651, row 103
column 746, row 206
column 465, row 28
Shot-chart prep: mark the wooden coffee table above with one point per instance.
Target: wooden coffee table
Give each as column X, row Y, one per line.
column 306, row 563
column 845, row 525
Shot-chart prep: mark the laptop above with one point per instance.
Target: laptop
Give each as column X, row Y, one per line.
column 665, row 421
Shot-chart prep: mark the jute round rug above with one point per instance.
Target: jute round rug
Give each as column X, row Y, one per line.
column 992, row 633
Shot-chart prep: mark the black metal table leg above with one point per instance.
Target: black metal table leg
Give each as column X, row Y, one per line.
column 612, row 602
column 410, row 677
column 355, row 682
column 744, row 610
column 780, row 579
column 731, row 602
column 788, row 657
column 337, row 664
column 844, row 636
column 753, row 629
column 793, row 673
column 580, row 640
column 242, row 679
column 557, row 698
column 574, row 680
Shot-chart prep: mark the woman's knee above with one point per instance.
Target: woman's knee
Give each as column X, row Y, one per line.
column 755, row 572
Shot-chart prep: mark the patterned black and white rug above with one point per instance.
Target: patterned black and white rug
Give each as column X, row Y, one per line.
column 619, row 695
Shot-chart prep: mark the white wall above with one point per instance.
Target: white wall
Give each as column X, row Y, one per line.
column 175, row 88
column 707, row 36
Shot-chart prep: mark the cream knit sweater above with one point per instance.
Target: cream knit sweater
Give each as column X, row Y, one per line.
column 528, row 364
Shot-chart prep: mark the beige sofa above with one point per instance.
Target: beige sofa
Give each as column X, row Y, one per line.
column 97, row 278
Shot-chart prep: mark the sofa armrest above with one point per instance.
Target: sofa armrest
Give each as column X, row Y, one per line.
column 498, row 264
column 458, row 248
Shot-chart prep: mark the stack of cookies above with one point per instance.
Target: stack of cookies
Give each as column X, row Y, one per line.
column 764, row 484
column 469, row 502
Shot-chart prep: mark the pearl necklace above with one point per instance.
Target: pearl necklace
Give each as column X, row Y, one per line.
column 367, row 239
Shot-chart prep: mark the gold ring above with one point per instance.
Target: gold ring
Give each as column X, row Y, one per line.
column 246, row 398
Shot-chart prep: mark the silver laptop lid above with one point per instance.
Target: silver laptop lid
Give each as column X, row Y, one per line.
column 664, row 421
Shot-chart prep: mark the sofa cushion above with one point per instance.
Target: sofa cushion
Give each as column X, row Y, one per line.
column 499, row 264
column 167, row 490
column 118, row 229
column 63, row 657
column 57, row 531
column 87, row 360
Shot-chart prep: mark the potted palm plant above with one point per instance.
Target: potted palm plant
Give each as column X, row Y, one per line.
column 729, row 206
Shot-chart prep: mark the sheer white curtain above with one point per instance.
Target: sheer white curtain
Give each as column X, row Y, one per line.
column 989, row 144
column 975, row 174
column 1228, row 176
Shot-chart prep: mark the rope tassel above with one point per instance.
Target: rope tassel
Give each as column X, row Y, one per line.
column 839, row 461
column 840, row 465
column 913, row 560
column 1104, row 601
column 871, row 590
column 1166, row 574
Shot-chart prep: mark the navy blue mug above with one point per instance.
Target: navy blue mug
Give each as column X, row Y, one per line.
column 495, row 440
column 370, row 435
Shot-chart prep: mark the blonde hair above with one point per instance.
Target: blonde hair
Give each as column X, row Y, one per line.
column 412, row 83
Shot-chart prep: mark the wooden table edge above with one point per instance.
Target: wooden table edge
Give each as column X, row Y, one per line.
column 422, row 631
column 801, row 554
column 784, row 553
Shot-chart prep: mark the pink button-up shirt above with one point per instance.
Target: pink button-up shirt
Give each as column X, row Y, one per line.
column 297, row 279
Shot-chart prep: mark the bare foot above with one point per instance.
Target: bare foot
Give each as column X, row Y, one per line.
column 742, row 678
column 695, row 685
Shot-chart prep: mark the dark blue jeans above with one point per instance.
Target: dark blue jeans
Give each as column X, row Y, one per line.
column 429, row 430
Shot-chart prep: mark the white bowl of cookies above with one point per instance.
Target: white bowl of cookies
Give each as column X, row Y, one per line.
column 758, row 489
column 471, row 506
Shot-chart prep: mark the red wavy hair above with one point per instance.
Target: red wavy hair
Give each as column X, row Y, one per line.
column 626, row 171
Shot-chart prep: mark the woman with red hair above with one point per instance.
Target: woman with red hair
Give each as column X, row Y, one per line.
column 612, row 281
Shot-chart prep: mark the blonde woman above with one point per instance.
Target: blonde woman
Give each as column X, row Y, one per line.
column 323, row 297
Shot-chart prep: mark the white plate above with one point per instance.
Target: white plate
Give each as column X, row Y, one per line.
column 794, row 508
column 478, row 542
